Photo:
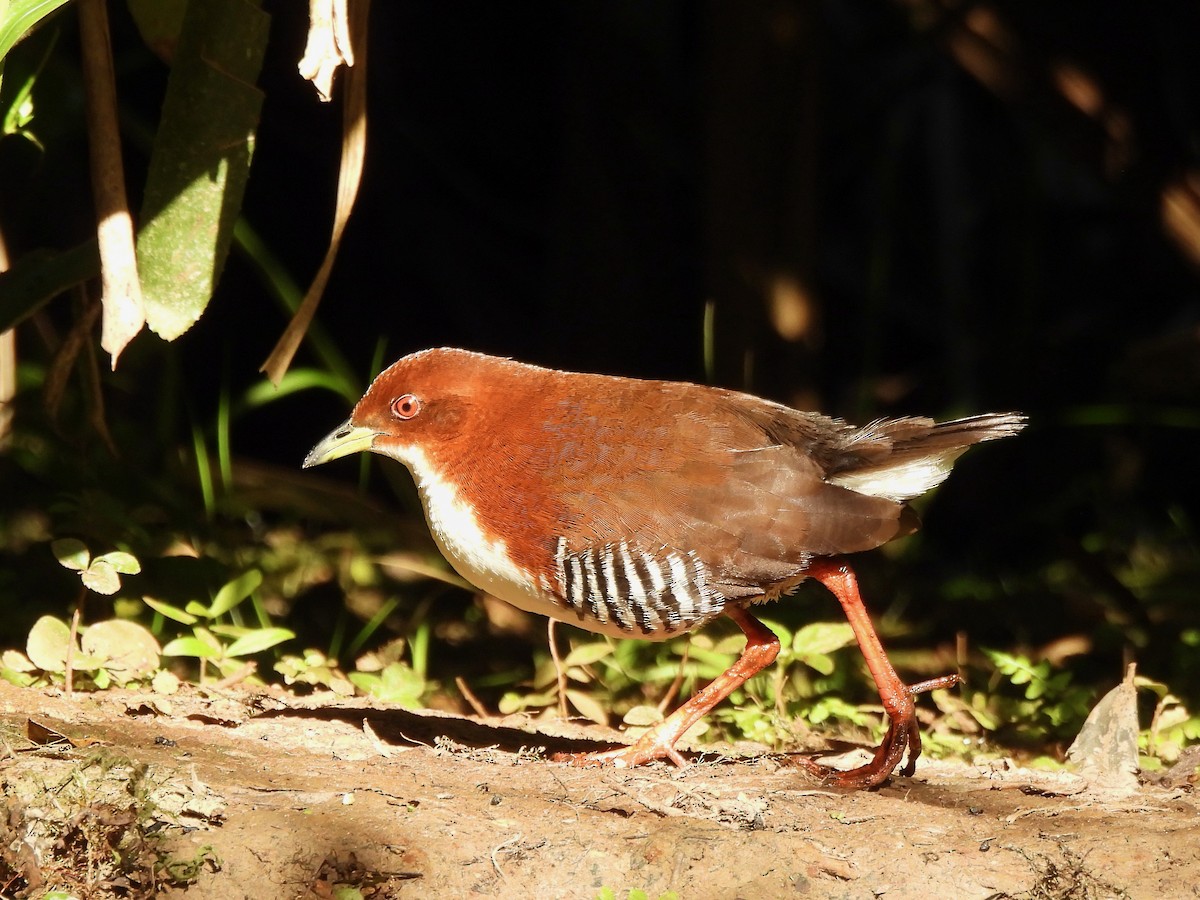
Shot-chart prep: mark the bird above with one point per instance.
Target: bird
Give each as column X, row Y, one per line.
column 647, row 509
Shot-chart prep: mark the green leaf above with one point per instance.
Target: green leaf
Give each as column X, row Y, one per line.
column 125, row 563
column 821, row 638
column 258, row 640
column 643, row 716
column 17, row 661
column 233, row 593
column 171, row 612
column 101, row 577
column 586, row 654
column 588, row 707
column 20, row 112
column 200, row 161
column 47, row 645
column 19, row 16
column 71, row 553
column 191, row 646
column 819, row 661
column 125, row 648
column 396, row 684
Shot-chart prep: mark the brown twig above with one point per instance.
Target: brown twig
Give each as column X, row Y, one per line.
column 559, row 671
column 469, row 696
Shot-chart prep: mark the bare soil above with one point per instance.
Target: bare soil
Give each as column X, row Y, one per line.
column 270, row 795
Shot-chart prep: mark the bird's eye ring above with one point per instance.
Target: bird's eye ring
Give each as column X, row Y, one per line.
column 406, row 407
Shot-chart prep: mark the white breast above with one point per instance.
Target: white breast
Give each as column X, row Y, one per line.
column 481, row 560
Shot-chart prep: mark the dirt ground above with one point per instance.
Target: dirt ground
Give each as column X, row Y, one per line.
column 267, row 795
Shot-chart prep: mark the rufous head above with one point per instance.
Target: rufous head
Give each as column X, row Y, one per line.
column 426, row 399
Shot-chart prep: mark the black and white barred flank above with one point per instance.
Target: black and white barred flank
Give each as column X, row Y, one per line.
column 637, row 590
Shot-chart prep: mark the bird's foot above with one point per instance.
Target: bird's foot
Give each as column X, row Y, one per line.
column 657, row 743
column 903, row 733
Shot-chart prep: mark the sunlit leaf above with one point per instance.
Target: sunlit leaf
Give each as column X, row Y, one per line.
column 259, row 640
column 165, row 682
column 71, row 553
column 190, row 646
column 101, row 577
column 821, row 638
column 200, row 161
column 171, row 612
column 48, row 643
column 19, row 16
column 17, row 661
column 125, row 563
column 588, row 708
column 643, row 716
column 586, row 654
column 125, row 647
column 233, row 593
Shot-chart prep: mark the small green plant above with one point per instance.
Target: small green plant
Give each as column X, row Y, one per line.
column 1172, row 728
column 114, row 651
column 607, row 893
column 384, row 675
column 101, row 574
column 222, row 645
column 1052, row 706
column 605, row 677
column 316, row 669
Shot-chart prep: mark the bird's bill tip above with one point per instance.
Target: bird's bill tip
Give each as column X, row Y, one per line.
column 342, row 441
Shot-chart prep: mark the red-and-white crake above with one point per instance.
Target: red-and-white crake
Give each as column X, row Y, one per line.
column 649, row 508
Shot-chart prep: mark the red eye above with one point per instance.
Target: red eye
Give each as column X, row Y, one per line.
column 406, row 407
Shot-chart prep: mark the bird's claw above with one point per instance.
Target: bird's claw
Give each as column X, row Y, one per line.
column 645, row 749
column 903, row 733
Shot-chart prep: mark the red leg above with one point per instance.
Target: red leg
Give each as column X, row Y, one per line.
column 897, row 696
column 762, row 646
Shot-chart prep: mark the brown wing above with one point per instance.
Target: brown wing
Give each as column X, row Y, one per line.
column 714, row 483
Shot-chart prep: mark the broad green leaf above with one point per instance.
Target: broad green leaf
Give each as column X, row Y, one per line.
column 822, row 638
column 588, row 708
column 259, row 640
column 101, row 577
column 643, row 716
column 200, row 161
column 17, row 661
column 232, row 631
column 47, row 645
column 512, row 702
column 126, row 648
column 71, row 553
column 125, row 563
column 819, row 661
column 18, row 16
column 165, row 682
column 233, row 593
column 190, row 646
column 171, row 612
column 396, row 684
column 586, row 654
